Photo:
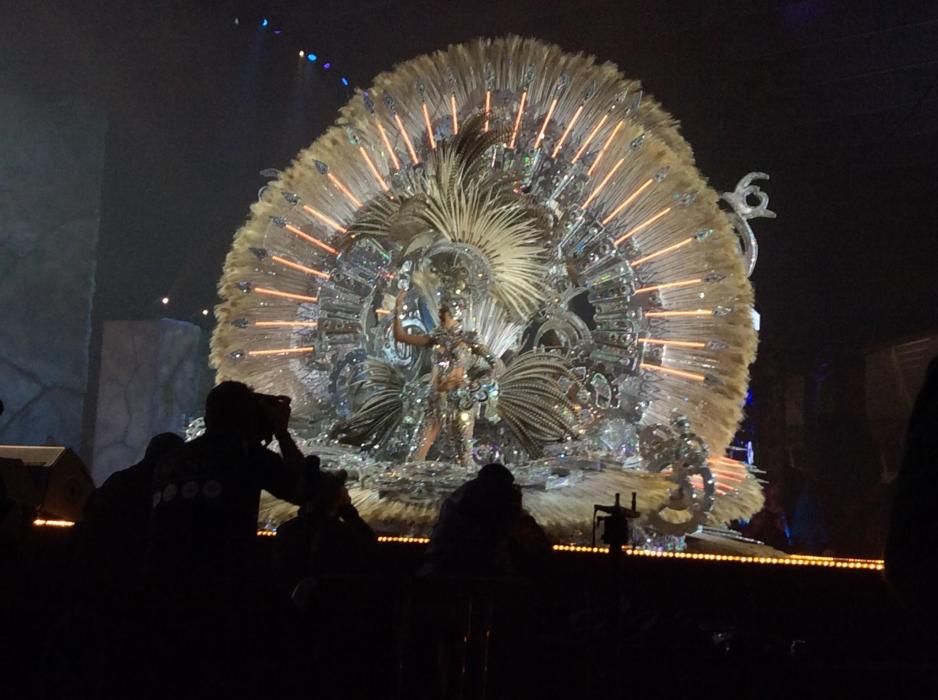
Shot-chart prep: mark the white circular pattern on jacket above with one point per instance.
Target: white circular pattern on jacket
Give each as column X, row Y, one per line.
column 169, row 492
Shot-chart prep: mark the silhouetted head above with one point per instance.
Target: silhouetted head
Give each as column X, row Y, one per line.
column 496, row 474
column 231, row 407
column 161, row 445
column 324, row 491
column 492, row 494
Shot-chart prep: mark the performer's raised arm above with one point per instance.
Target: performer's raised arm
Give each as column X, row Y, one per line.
column 400, row 335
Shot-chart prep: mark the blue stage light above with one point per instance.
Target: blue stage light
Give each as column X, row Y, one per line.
column 345, row 82
column 265, row 22
column 311, row 57
column 327, row 66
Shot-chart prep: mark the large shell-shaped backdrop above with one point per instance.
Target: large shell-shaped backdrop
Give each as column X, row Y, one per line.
column 635, row 277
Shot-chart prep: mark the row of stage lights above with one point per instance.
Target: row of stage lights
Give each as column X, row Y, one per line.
column 791, row 560
column 310, row 57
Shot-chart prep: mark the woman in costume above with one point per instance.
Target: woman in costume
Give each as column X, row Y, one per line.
column 450, row 407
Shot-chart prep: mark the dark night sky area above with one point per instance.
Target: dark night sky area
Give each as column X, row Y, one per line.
column 838, row 101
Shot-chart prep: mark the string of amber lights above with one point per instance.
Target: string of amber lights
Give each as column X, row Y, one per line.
column 791, row 560
column 826, row 562
column 43, row 522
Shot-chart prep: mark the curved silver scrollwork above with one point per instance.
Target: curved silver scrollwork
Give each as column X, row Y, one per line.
column 738, row 199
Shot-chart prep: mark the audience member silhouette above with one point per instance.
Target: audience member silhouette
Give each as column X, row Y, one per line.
column 327, row 536
column 206, row 495
column 10, row 525
column 113, row 535
column 912, row 543
column 483, row 529
column 208, row 602
column 770, row 525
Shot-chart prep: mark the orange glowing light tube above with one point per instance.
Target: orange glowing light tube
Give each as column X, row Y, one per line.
column 45, row 522
column 663, row 251
column 673, row 343
column 387, row 145
column 550, row 113
column 310, row 239
column 602, row 150
column 488, row 109
column 566, row 132
column 344, row 190
column 327, row 220
column 669, row 285
column 452, row 104
column 373, row 169
column 285, row 295
column 673, row 372
column 791, row 560
column 407, row 141
column 286, row 324
column 300, row 268
column 678, row 314
column 281, row 351
column 589, row 138
column 426, row 121
column 514, row 131
column 599, row 188
column 631, row 198
column 645, row 224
